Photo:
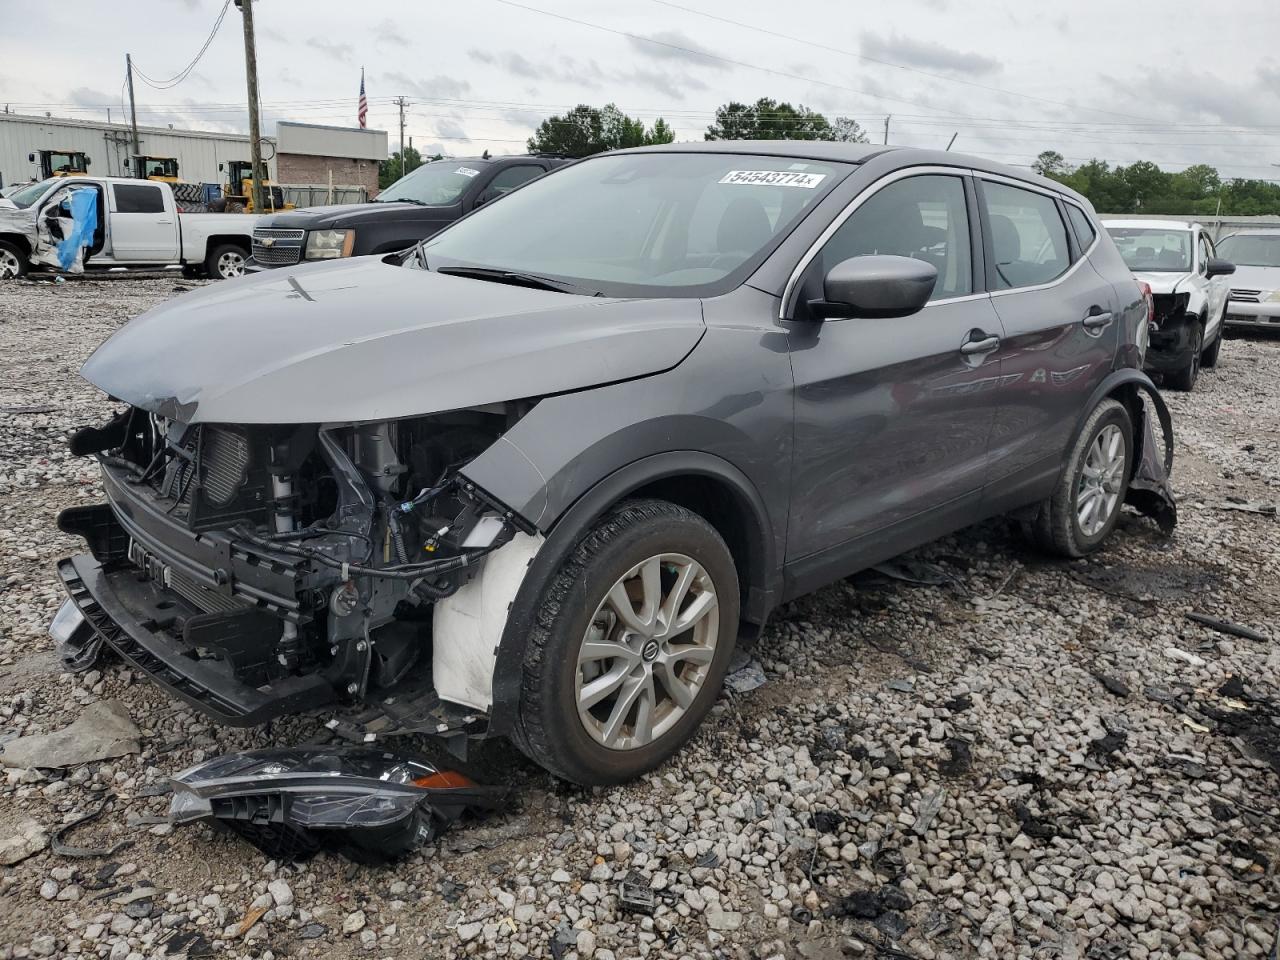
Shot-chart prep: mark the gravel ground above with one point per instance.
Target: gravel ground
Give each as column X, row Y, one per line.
column 1033, row 759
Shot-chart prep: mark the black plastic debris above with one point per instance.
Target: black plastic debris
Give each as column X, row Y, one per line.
column 826, row 821
column 635, row 895
column 62, row 849
column 78, row 645
column 1233, row 687
column 960, row 761
column 1114, row 685
column 870, row 904
column 1227, row 627
column 959, row 704
column 369, row 805
column 1032, row 825
column 1105, row 746
column 1149, row 491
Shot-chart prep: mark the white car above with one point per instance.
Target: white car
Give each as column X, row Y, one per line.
column 1254, row 300
column 1177, row 259
column 138, row 225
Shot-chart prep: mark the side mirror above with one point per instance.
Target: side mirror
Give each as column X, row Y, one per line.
column 88, row 160
column 875, row 286
column 1217, row 267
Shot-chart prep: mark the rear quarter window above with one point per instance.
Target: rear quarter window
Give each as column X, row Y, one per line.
column 1086, row 233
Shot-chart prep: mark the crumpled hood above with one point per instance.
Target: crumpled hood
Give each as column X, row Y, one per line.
column 1162, row 282
column 362, row 339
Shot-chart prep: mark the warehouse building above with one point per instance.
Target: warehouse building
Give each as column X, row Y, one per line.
column 300, row 153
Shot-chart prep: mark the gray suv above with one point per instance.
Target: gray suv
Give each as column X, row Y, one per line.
column 539, row 475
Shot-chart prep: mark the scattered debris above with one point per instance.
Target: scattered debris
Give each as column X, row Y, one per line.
column 930, row 805
column 915, row 572
column 1032, row 825
column 959, row 704
column 1105, row 746
column 745, row 674
column 104, row 730
column 960, row 761
column 370, row 805
column 253, row 916
column 1227, row 627
column 1114, row 685
column 30, row 408
column 1263, row 507
column 1149, row 491
column 635, row 894
column 870, row 904
column 900, row 686
column 188, row 944
column 826, row 821
column 66, row 850
column 1173, row 653
column 28, row 839
column 1233, row 687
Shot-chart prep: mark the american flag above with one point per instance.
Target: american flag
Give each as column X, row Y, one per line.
column 362, row 111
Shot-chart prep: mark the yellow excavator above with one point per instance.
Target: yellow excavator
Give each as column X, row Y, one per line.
column 59, row 163
column 238, row 190
column 160, row 169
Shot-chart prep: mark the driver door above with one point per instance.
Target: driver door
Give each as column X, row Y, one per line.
column 893, row 416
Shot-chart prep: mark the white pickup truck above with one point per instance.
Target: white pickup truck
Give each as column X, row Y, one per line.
column 138, row 225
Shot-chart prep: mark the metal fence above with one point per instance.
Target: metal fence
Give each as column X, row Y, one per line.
column 315, row 194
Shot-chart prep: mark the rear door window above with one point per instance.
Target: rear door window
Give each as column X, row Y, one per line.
column 138, row 198
column 1028, row 237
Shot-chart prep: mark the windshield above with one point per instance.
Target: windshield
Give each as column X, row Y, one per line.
column 437, row 184
column 644, row 224
column 30, row 193
column 1251, row 250
column 1153, row 250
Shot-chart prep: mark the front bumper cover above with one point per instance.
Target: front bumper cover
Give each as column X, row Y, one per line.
column 129, row 612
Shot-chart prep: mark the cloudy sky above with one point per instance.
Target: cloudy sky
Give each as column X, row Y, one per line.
column 1175, row 82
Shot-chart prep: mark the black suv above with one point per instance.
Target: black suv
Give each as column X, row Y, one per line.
column 413, row 208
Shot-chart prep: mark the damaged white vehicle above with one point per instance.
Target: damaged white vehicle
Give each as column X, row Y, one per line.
column 128, row 224
column 1178, row 261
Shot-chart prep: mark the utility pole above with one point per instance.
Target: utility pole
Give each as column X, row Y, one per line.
column 251, row 76
column 400, row 101
column 133, row 113
column 886, row 128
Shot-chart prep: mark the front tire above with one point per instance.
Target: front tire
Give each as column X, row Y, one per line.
column 1209, row 355
column 13, row 262
column 1185, row 379
column 225, row 262
column 631, row 642
column 1085, row 507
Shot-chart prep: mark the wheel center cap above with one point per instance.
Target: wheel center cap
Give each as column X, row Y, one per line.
column 649, row 652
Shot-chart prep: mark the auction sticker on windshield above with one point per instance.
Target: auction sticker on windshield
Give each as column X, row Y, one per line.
column 467, row 172
column 774, row 178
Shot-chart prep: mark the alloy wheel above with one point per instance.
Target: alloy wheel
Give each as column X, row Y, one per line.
column 230, row 265
column 9, row 265
column 1101, row 480
column 647, row 652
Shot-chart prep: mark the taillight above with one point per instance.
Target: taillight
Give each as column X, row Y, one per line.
column 1151, row 300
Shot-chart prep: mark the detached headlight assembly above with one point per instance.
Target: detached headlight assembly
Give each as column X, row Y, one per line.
column 330, row 244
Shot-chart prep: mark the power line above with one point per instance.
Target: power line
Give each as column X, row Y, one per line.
column 888, row 63
column 186, row 71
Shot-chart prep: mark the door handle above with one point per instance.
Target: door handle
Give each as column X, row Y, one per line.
column 1096, row 321
column 164, row 221
column 985, row 345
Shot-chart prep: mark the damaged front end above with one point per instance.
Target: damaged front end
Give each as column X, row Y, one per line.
column 1173, row 333
column 366, row 804
column 258, row 570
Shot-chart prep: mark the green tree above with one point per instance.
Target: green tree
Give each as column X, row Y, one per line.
column 389, row 169
column 847, row 130
column 585, row 130
column 767, row 119
column 1051, row 163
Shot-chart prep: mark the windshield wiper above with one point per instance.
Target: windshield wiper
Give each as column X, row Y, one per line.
column 420, row 203
column 516, row 279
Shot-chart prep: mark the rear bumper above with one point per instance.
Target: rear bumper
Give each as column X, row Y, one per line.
column 130, row 612
column 1245, row 313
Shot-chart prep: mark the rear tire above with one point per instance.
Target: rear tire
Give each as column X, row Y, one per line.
column 1097, row 475
column 1185, row 379
column 225, row 262
column 13, row 262
column 588, row 638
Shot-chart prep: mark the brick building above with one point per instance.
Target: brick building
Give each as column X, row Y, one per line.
column 309, row 153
